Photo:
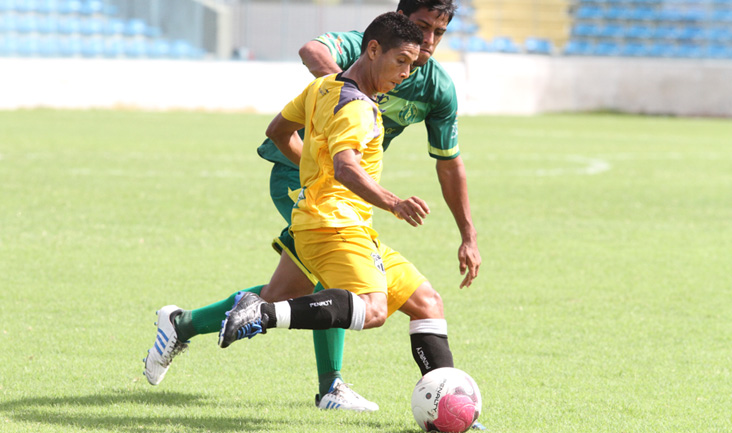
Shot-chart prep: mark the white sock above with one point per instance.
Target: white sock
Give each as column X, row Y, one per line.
column 283, row 314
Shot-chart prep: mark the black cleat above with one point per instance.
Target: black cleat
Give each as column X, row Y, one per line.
column 243, row 320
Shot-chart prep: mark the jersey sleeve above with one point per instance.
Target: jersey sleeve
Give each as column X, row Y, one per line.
column 442, row 125
column 353, row 127
column 344, row 47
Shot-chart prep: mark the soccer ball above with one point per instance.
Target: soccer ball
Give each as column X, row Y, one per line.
column 446, row 400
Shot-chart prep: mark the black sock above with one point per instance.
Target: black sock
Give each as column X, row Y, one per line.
column 332, row 308
column 431, row 351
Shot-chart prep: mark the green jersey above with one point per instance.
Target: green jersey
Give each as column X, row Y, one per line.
column 428, row 95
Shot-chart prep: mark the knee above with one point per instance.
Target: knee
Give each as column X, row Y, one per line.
column 376, row 314
column 425, row 303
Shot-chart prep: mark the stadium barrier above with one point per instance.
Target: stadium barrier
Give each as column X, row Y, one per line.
column 486, row 83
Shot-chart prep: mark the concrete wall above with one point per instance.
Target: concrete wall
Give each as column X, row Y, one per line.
column 486, row 84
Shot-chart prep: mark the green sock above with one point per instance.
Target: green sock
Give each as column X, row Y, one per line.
column 206, row 320
column 328, row 353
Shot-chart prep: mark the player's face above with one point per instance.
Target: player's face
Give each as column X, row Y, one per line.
column 433, row 26
column 393, row 66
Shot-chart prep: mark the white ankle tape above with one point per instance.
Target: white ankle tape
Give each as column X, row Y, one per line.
column 359, row 313
column 283, row 311
column 428, row 326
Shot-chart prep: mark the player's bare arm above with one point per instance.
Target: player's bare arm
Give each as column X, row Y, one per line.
column 348, row 171
column 283, row 133
column 451, row 174
column 318, row 60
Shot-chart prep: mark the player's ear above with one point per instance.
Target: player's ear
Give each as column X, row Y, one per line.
column 373, row 48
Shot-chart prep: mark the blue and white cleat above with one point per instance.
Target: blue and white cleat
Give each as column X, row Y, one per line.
column 478, row 426
column 243, row 320
column 166, row 346
column 340, row 396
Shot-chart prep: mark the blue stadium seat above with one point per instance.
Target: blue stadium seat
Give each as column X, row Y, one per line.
column 114, row 27
column 159, row 49
column 27, row 24
column 6, row 5
column 688, row 51
column 135, row 27
column 638, row 32
column 689, row 33
column 25, row 6
column 476, row 44
column 577, row 48
column 48, row 47
column 8, row 23
column 48, row 6
column 29, row 46
column 642, row 14
column 8, row 46
column 633, row 49
column 47, row 24
column 457, row 44
column 69, row 26
column 92, row 47
column 722, row 15
column 718, row 52
column 92, row 7
column 538, row 46
column 70, row 7
column 114, row 48
column 504, row 44
column 718, row 34
column 135, row 48
column 585, row 29
column 92, row 26
column 455, row 25
column 70, row 47
column 611, row 31
column 664, row 33
column 661, row 49
column 589, row 13
column 183, row 50
column 606, row 49
column 617, row 13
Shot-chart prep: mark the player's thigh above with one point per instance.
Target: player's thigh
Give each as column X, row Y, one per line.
column 424, row 303
column 288, row 281
column 284, row 244
column 403, row 278
column 283, row 179
column 343, row 258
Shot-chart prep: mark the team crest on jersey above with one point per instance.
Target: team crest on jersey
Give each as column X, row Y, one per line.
column 382, row 98
column 378, row 262
column 408, row 114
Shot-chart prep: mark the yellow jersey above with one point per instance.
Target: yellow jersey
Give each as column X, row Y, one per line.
column 337, row 116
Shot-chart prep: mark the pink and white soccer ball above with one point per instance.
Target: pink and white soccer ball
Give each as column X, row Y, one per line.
column 446, row 400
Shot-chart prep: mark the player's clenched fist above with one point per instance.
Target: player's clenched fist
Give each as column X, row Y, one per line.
column 412, row 210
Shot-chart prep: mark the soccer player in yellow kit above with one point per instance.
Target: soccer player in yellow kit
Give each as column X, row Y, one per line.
column 340, row 163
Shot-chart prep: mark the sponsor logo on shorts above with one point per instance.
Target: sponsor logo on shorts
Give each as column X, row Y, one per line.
column 378, row 262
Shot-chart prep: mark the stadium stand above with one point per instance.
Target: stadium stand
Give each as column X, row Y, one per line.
column 82, row 28
column 652, row 28
column 628, row 28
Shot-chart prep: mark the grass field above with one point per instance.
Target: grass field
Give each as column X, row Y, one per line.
column 604, row 302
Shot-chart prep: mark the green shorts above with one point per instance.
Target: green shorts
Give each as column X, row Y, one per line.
column 282, row 180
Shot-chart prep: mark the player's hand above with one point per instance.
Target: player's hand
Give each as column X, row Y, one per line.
column 412, row 210
column 469, row 257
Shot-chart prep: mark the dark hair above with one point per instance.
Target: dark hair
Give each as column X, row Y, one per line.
column 444, row 7
column 391, row 30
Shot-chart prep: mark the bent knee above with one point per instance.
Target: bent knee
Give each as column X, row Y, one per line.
column 376, row 314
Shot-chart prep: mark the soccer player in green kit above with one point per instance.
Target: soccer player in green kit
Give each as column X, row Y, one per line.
column 427, row 95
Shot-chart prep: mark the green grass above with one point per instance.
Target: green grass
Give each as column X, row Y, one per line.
column 604, row 302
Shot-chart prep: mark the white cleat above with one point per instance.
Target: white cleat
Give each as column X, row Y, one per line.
column 340, row 396
column 166, row 346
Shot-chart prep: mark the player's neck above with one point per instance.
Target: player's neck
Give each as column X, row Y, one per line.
column 360, row 75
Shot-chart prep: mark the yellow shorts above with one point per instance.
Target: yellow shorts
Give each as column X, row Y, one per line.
column 351, row 258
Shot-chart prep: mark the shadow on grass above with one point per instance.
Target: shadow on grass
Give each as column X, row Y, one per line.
column 121, row 411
